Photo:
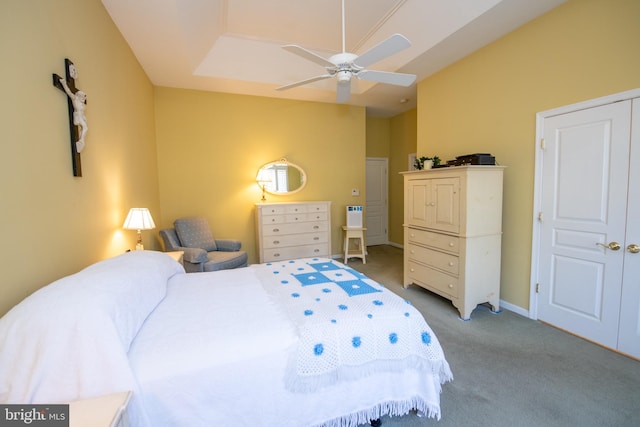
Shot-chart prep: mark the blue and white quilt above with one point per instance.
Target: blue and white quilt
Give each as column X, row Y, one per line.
column 348, row 325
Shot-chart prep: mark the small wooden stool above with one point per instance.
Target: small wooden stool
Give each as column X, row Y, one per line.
column 354, row 233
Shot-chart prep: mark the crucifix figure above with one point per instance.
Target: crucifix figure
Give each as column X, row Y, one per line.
column 77, row 101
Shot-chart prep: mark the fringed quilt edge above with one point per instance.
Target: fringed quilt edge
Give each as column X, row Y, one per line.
column 391, row 408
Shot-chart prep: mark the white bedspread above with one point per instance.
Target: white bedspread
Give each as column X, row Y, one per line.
column 217, row 350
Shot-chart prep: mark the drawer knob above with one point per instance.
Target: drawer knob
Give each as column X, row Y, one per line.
column 450, row 286
column 315, row 227
column 316, row 238
column 276, row 255
column 412, row 270
column 412, row 251
column 451, row 244
column 412, row 235
column 450, row 264
column 316, row 250
column 275, row 230
column 276, row 242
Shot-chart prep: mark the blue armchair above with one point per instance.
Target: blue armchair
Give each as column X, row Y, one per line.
column 201, row 251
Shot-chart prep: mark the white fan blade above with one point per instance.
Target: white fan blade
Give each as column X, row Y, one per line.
column 382, row 50
column 307, row 54
column 304, row 82
column 399, row 79
column 344, row 92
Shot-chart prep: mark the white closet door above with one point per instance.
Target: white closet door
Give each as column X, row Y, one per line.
column 629, row 335
column 584, row 198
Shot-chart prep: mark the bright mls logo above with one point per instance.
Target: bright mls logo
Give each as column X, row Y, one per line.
column 34, row 415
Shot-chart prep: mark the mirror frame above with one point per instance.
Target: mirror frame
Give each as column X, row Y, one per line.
column 283, row 161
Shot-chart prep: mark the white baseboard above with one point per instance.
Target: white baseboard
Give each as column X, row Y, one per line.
column 514, row 308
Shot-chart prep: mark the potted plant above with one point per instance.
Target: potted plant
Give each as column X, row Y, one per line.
column 426, row 162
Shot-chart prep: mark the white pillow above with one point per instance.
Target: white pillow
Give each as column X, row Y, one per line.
column 70, row 339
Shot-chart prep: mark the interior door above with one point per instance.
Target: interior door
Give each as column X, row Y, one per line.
column 377, row 211
column 584, row 206
column 629, row 334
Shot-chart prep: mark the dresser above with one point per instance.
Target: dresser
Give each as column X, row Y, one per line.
column 453, row 234
column 293, row 230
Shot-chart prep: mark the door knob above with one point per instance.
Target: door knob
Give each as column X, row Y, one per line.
column 614, row 246
column 633, row 248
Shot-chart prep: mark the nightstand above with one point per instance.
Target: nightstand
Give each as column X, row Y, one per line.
column 177, row 255
column 105, row 411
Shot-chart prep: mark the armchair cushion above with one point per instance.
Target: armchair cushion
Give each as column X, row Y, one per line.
column 228, row 245
column 195, row 233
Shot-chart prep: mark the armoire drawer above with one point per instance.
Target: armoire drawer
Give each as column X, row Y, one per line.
column 440, row 260
column 431, row 278
column 437, row 240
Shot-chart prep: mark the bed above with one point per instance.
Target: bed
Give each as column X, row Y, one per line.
column 305, row 342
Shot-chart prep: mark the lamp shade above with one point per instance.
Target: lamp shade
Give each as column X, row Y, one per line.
column 263, row 176
column 138, row 219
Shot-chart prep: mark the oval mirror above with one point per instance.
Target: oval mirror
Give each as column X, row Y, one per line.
column 281, row 177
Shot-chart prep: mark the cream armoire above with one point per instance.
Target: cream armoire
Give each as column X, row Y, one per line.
column 453, row 233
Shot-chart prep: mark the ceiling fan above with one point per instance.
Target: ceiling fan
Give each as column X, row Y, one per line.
column 346, row 65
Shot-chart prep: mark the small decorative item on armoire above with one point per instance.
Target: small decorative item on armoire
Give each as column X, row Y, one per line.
column 473, row 159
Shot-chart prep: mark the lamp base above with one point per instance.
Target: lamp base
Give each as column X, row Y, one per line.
column 139, row 247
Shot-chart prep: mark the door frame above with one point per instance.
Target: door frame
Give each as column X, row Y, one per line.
column 537, row 185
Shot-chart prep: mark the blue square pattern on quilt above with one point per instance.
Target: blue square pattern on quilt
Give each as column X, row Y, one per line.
column 347, row 279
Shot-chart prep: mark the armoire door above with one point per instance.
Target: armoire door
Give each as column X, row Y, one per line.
column 585, row 269
column 444, row 205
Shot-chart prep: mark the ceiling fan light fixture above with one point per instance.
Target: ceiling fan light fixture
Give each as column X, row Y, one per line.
column 344, row 76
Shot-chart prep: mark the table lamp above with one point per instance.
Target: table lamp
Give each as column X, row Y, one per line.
column 263, row 179
column 139, row 219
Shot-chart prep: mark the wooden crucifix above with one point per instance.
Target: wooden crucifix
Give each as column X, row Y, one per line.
column 76, row 102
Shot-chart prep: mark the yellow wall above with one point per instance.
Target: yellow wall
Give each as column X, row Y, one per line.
column 402, row 143
column 51, row 222
column 211, row 145
column 378, row 137
column 487, row 103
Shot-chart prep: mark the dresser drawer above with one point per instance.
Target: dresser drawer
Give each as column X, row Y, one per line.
column 437, row 240
column 273, row 210
column 294, row 240
column 294, row 217
column 306, row 217
column 294, row 228
column 431, row 278
column 440, row 260
column 291, row 252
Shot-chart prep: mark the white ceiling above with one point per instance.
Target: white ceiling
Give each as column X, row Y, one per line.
column 234, row 46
